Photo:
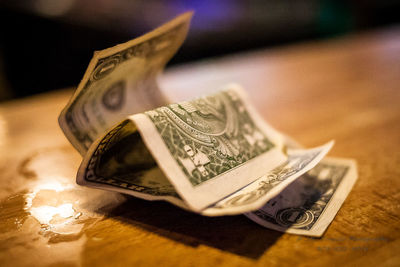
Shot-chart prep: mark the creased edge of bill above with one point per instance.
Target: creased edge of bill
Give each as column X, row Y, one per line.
column 324, row 149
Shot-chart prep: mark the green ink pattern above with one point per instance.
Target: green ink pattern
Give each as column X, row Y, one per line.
column 210, row 135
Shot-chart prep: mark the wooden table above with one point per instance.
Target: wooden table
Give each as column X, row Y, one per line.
column 344, row 89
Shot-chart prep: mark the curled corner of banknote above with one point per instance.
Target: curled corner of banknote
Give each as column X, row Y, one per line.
column 120, row 81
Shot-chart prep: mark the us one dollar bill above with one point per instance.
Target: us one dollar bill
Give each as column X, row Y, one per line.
column 213, row 155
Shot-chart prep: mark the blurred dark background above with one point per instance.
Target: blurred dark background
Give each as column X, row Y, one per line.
column 47, row 44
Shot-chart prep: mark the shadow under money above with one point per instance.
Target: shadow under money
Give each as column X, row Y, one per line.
column 234, row 234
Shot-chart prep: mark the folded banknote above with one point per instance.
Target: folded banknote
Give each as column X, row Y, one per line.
column 213, row 155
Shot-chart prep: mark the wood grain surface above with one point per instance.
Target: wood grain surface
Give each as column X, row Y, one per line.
column 345, row 89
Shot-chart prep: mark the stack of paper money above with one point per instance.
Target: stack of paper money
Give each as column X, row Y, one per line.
column 213, row 155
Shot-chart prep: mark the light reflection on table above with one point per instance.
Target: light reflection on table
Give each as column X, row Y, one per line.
column 52, row 211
